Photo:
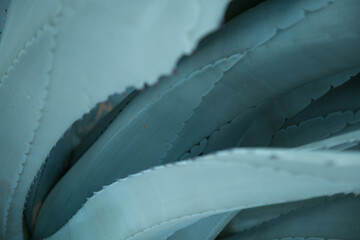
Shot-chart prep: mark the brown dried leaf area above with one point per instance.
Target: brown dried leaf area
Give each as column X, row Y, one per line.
column 95, row 116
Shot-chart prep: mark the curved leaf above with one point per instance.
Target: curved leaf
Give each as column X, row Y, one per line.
column 150, row 205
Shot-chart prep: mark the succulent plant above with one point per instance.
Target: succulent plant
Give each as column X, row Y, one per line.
column 180, row 119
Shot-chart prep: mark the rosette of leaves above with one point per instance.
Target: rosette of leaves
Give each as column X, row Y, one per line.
column 254, row 134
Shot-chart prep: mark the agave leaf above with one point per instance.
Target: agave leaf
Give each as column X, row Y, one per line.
column 336, row 143
column 250, row 218
column 106, row 53
column 19, row 108
column 335, row 218
column 277, row 111
column 205, row 229
column 23, row 21
column 341, row 98
column 314, row 129
column 336, row 112
column 227, row 136
column 211, row 185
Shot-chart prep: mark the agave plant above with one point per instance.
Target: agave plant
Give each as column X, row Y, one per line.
column 180, row 119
